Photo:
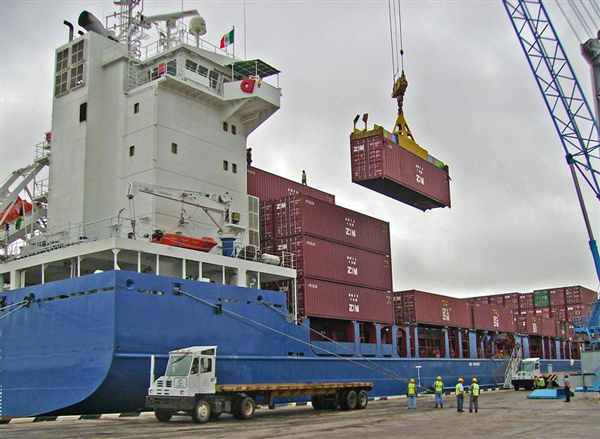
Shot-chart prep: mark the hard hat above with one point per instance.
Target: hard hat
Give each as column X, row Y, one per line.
column 460, row 380
column 412, row 380
column 439, row 378
column 474, row 380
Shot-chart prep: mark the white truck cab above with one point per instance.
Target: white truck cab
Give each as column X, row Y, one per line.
column 525, row 377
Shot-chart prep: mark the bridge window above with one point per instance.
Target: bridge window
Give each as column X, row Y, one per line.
column 174, row 148
column 62, row 60
column 131, row 150
column 61, row 83
column 136, row 107
column 77, row 76
column 77, row 53
column 83, row 112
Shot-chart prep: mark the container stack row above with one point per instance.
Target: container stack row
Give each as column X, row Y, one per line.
column 342, row 257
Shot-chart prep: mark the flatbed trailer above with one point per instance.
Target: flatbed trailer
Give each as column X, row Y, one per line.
column 196, row 393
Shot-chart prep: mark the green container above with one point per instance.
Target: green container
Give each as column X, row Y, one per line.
column 541, row 299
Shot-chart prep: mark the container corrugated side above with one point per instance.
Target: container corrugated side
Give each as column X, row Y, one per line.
column 496, row 299
column 346, row 302
column 321, row 259
column 298, row 215
column 492, row 318
column 267, row 225
column 385, row 167
column 426, row 308
column 548, row 327
column 557, row 297
column 529, row 325
column 267, row 186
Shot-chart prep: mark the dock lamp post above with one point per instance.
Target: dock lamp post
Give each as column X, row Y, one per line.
column 419, row 374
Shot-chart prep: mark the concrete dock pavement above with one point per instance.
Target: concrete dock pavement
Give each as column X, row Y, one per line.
column 502, row 414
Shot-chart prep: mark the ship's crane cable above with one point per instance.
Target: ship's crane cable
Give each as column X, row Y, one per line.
column 400, row 32
column 394, row 375
column 568, row 21
column 580, row 17
column 585, row 8
column 392, row 40
column 21, row 304
column 596, row 8
column 339, row 344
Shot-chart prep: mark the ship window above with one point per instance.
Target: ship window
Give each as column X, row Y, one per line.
column 77, row 76
column 214, row 78
column 61, row 84
column 225, row 126
column 136, row 107
column 83, row 112
column 202, row 71
column 62, row 60
column 172, row 68
column 131, row 150
column 233, row 130
column 234, row 168
column 174, row 148
column 225, row 165
column 77, row 53
column 191, row 65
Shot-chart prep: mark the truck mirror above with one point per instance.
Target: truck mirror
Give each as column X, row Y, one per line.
column 205, row 364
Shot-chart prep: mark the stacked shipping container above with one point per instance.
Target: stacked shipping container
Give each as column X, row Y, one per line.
column 342, row 257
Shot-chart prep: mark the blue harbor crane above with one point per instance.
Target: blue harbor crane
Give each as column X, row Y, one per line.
column 576, row 124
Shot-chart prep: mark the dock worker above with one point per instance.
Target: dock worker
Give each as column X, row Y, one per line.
column 411, row 393
column 541, row 383
column 438, row 388
column 304, row 177
column 460, row 395
column 567, row 385
column 249, row 156
column 474, row 399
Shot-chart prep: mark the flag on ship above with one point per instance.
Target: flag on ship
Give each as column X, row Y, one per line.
column 20, row 218
column 227, row 39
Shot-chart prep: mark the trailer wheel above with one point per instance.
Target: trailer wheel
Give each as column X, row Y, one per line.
column 317, row 402
column 201, row 412
column 363, row 400
column 163, row 415
column 349, row 400
column 516, row 387
column 332, row 404
column 214, row 414
column 244, row 408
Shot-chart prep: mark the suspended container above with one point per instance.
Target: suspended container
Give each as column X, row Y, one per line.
column 380, row 164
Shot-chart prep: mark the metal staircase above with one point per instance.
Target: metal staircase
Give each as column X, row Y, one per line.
column 590, row 325
column 513, row 365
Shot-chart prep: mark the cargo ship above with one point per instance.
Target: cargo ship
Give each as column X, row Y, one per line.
column 147, row 230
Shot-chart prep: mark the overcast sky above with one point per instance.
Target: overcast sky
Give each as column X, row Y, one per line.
column 514, row 225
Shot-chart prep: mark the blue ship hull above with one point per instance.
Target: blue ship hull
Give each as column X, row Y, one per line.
column 84, row 345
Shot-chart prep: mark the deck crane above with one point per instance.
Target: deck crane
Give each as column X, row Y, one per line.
column 573, row 119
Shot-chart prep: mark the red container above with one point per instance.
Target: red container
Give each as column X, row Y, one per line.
column 548, row 327
column 383, row 166
column 511, row 301
column 562, row 330
column 267, row 186
column 266, row 221
column 492, row 318
column 543, row 312
column 497, row 299
column 558, row 313
column 526, row 301
column 529, row 325
column 319, row 298
column 557, row 297
column 321, row 259
column 579, row 295
column 479, row 299
column 297, row 215
column 432, row 309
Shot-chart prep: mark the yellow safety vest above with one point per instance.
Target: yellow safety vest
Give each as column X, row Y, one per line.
column 458, row 392
column 475, row 389
column 412, row 391
column 439, row 386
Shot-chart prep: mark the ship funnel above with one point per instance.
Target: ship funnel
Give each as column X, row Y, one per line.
column 89, row 22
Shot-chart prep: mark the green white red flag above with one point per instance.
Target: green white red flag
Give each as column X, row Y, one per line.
column 227, row 39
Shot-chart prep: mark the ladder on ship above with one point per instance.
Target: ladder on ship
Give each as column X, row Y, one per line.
column 513, row 366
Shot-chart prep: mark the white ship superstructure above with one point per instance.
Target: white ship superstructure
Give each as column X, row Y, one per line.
column 171, row 117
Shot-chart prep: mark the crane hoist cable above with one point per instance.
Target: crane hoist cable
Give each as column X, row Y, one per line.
column 396, row 40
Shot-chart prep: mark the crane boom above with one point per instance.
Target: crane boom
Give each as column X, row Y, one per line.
column 572, row 117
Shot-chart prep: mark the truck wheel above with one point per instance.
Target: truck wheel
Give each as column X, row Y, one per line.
column 349, row 400
column 331, row 404
column 244, row 408
column 363, row 400
column 163, row 415
column 516, row 387
column 201, row 412
column 317, row 403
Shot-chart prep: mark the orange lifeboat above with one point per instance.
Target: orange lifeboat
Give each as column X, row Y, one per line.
column 204, row 244
column 13, row 214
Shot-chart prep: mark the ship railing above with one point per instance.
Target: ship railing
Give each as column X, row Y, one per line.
column 42, row 150
column 253, row 253
column 176, row 38
column 173, row 68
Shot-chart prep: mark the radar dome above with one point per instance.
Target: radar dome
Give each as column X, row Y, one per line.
column 197, row 26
